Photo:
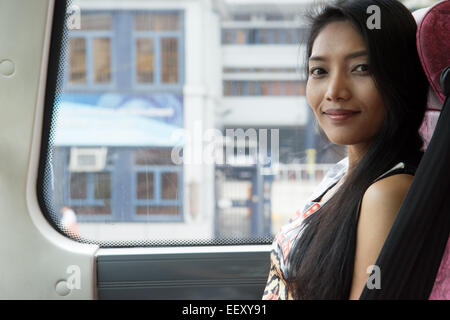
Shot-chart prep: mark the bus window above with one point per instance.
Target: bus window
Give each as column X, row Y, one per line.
column 164, row 133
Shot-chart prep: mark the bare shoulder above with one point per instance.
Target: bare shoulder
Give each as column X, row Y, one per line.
column 382, row 201
column 387, row 193
column 380, row 205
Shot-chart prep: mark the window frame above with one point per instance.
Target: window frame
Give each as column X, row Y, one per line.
column 128, row 175
column 241, row 88
column 89, row 36
column 157, row 84
column 254, row 36
column 157, row 200
column 90, row 198
column 213, row 272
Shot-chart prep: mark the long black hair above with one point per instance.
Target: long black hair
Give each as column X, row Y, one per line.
column 322, row 260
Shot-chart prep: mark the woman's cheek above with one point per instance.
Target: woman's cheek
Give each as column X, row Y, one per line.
column 312, row 96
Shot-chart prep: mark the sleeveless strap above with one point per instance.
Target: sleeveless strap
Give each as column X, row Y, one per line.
column 406, row 169
column 398, row 169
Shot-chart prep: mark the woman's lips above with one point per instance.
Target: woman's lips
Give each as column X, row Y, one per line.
column 340, row 115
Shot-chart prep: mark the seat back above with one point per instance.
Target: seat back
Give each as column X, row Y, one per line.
column 434, row 55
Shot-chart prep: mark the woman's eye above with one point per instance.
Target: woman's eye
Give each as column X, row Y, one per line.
column 316, row 71
column 362, row 68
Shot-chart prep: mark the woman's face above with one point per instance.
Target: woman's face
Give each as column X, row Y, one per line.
column 340, row 89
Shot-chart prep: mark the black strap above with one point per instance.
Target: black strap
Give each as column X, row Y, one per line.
column 411, row 256
column 407, row 169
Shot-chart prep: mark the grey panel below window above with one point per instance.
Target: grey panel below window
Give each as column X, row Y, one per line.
column 207, row 276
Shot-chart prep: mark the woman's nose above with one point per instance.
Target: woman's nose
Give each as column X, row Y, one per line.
column 337, row 88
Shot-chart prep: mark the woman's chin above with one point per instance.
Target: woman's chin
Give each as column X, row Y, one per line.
column 343, row 141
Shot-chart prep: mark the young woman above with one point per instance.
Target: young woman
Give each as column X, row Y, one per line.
column 368, row 91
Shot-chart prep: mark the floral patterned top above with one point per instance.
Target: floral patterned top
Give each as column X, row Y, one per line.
column 276, row 288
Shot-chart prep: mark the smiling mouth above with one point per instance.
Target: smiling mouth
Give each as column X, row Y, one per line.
column 339, row 112
column 340, row 115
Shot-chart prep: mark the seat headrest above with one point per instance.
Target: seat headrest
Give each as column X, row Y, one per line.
column 433, row 42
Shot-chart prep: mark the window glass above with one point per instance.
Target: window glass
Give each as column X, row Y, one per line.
column 263, row 36
column 90, row 51
column 153, row 157
column 145, row 185
column 102, row 185
column 102, row 60
column 241, row 17
column 169, row 185
column 77, row 60
column 241, row 36
column 276, row 88
column 78, row 183
column 157, row 22
column 145, row 60
column 289, row 88
column 169, row 61
column 157, row 48
column 181, row 124
column 263, row 88
column 227, row 36
column 157, row 210
column 83, row 211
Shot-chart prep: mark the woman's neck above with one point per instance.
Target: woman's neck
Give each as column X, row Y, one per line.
column 355, row 153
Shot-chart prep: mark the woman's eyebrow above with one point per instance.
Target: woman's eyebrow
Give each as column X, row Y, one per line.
column 349, row 56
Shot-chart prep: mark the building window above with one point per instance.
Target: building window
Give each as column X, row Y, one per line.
column 77, row 60
column 90, row 192
column 145, row 60
column 259, row 70
column 227, row 36
column 89, row 56
column 102, row 185
column 241, row 37
column 148, row 47
column 169, row 185
column 101, row 59
column 157, row 22
column 263, row 88
column 158, row 184
column 157, row 41
column 78, row 185
column 145, row 185
column 169, row 61
column 274, row 36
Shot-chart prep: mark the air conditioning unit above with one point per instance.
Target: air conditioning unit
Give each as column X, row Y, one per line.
column 87, row 159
